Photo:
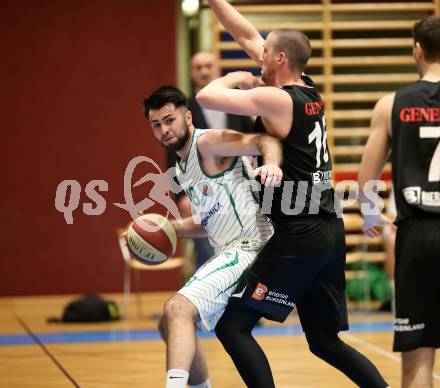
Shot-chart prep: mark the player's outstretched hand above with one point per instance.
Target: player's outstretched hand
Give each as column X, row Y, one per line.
column 271, row 174
column 372, row 222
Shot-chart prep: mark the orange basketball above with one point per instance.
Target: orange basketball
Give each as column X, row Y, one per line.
column 152, row 239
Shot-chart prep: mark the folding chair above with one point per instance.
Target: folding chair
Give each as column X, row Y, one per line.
column 131, row 264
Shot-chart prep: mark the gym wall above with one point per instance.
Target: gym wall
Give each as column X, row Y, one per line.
column 74, row 75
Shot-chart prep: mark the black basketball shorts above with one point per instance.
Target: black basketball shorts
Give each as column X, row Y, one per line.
column 302, row 264
column 417, row 277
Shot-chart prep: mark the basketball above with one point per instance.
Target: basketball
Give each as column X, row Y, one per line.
column 152, row 239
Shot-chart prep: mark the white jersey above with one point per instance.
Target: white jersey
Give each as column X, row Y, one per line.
column 225, row 204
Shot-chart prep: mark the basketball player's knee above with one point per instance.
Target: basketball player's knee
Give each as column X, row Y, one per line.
column 316, row 348
column 162, row 327
column 177, row 308
column 322, row 345
column 219, row 331
column 223, row 333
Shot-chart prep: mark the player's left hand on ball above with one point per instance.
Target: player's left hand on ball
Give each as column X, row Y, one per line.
column 271, row 174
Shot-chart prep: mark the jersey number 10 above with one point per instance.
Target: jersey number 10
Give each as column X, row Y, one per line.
column 319, row 135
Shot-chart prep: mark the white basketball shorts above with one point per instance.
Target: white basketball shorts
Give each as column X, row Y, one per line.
column 210, row 288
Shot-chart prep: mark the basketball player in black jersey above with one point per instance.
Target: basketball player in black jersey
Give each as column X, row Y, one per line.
column 408, row 123
column 303, row 263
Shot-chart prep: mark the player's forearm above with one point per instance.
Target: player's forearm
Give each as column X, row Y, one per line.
column 270, row 149
column 376, row 150
column 216, row 94
column 244, row 33
column 228, row 81
column 370, row 170
column 213, row 95
column 189, row 229
column 235, row 23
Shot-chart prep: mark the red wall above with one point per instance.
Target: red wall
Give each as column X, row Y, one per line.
column 73, row 76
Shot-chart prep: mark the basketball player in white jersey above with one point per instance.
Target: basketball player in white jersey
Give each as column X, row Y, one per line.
column 218, row 180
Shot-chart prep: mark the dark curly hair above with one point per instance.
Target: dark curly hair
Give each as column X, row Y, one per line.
column 162, row 96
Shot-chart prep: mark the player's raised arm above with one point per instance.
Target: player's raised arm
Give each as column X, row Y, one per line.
column 244, row 33
column 269, row 102
column 227, row 143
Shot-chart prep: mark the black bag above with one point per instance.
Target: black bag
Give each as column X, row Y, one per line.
column 90, row 308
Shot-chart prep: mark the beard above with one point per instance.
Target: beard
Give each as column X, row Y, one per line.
column 268, row 76
column 179, row 144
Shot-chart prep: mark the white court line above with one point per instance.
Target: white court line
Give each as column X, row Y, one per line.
column 378, row 350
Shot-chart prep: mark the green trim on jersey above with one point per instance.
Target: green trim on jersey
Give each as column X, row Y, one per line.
column 224, row 266
column 183, row 168
column 228, row 192
column 241, row 218
column 227, row 288
column 230, row 168
column 245, row 171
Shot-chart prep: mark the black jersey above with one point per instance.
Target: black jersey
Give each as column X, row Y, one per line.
column 307, row 168
column 416, row 149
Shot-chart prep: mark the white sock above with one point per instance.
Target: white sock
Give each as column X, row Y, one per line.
column 177, row 378
column 205, row 384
